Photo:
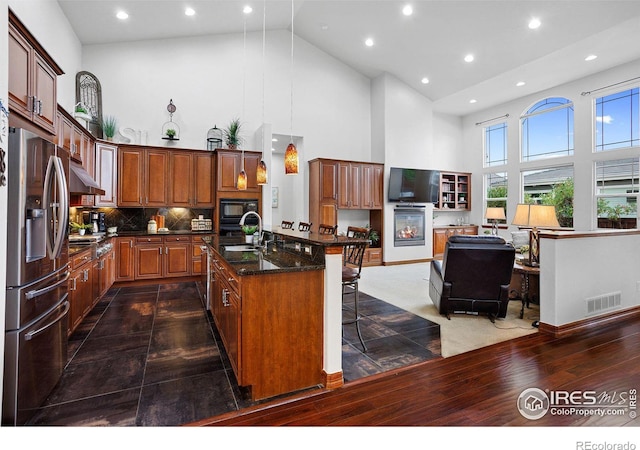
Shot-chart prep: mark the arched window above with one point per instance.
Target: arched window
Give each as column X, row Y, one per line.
column 547, row 129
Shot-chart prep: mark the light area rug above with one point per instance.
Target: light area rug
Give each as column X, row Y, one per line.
column 407, row 286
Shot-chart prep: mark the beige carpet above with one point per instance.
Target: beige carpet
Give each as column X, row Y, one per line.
column 407, row 286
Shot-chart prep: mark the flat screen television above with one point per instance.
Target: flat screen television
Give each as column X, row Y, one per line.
column 414, row 185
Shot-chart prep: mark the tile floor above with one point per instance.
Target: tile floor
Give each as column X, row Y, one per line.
column 151, row 356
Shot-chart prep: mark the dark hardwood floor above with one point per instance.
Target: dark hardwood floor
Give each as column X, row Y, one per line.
column 479, row 388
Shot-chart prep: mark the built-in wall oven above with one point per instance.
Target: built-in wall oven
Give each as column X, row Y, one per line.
column 232, row 210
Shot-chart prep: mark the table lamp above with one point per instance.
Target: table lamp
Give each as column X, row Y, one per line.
column 494, row 214
column 535, row 216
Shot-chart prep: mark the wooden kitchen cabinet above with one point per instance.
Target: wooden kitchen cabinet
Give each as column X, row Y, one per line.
column 148, row 257
column 372, row 186
column 33, row 76
column 125, row 259
column 143, row 175
column 177, row 256
column 80, row 288
column 228, row 166
column 323, row 192
column 191, row 179
column 349, row 185
column 441, row 236
column 106, row 161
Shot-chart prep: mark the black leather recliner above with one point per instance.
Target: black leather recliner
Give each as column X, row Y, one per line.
column 473, row 276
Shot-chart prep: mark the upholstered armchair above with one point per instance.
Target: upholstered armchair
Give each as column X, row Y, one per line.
column 473, row 276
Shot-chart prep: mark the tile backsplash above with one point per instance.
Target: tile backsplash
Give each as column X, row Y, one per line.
column 136, row 219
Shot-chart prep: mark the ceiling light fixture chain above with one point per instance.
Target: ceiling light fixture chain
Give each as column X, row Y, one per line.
column 291, row 153
column 261, row 174
column 242, row 176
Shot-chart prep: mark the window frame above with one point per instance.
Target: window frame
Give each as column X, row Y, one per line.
column 536, row 110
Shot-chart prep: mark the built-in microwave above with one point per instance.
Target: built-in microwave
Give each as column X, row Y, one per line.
column 232, row 210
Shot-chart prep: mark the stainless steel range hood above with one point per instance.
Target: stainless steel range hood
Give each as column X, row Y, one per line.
column 81, row 183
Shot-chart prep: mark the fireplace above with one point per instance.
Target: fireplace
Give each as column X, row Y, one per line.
column 409, row 227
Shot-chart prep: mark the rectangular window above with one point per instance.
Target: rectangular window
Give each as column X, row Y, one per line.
column 551, row 186
column 617, row 193
column 495, row 145
column 617, row 121
column 496, row 192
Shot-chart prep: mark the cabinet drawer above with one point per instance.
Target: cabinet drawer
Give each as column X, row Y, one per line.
column 80, row 258
column 149, row 240
column 177, row 238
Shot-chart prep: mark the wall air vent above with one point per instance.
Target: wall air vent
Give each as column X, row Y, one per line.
column 605, row 302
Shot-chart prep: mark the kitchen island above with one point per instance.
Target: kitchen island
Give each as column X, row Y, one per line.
column 270, row 307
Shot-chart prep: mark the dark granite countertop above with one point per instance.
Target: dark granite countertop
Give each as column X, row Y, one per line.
column 261, row 260
column 315, row 238
column 166, row 233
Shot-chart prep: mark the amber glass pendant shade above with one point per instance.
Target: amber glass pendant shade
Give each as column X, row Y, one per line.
column 291, row 160
column 242, row 181
column 261, row 174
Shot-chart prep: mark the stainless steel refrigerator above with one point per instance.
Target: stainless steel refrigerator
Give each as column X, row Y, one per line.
column 37, row 268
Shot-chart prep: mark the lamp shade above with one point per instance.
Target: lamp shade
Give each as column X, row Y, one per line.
column 242, row 181
column 495, row 213
column 535, row 216
column 261, row 174
column 291, row 160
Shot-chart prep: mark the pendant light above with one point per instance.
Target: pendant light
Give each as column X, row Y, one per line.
column 291, row 154
column 241, row 184
column 261, row 173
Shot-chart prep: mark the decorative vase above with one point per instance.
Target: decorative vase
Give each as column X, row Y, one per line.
column 81, row 231
column 248, row 238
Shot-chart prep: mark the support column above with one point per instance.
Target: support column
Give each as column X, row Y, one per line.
column 332, row 363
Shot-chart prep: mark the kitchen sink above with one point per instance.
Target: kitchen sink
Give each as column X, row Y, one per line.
column 239, row 248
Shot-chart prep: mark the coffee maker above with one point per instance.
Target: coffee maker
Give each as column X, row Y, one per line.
column 94, row 217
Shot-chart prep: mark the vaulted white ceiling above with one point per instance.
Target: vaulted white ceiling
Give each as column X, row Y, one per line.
column 431, row 43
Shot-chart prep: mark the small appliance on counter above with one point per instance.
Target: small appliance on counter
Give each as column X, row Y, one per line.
column 201, row 224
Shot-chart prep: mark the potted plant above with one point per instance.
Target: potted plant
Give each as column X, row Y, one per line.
column 81, row 227
column 80, row 112
column 232, row 134
column 249, row 231
column 171, row 133
column 374, row 237
column 109, row 125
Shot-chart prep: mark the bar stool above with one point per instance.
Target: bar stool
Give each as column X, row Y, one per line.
column 327, row 229
column 304, row 226
column 286, row 225
column 352, row 257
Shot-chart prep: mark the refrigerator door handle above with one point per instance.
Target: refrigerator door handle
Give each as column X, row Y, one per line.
column 55, row 168
column 33, row 294
column 30, row 335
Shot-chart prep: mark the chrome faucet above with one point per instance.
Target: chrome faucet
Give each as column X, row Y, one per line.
column 244, row 216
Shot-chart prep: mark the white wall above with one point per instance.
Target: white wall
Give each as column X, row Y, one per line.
column 575, row 269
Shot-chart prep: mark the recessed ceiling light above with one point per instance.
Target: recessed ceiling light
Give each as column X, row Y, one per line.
column 520, row 83
column 368, row 42
column 534, row 23
column 591, row 57
column 469, row 58
column 189, row 11
column 274, row 139
column 122, row 15
column 407, row 10
column 324, row 27
column 425, row 80
column 473, row 100
column 247, row 9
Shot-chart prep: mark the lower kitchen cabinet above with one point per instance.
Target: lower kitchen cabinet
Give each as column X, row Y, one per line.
column 271, row 327
column 441, row 236
column 80, row 288
column 148, row 257
column 125, row 259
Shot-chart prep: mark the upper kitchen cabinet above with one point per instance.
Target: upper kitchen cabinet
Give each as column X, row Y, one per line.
column 191, row 179
column 229, row 164
column 32, row 78
column 323, row 191
column 106, row 160
column 372, row 180
column 143, row 175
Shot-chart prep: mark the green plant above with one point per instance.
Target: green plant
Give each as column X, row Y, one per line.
column 373, row 236
column 109, row 125
column 614, row 213
column 81, row 226
column 249, row 229
column 232, row 134
column 171, row 133
column 80, row 108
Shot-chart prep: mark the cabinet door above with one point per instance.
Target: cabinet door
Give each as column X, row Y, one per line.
column 44, row 84
column 66, row 135
column 180, row 182
column 440, row 236
column 19, row 74
column 125, row 267
column 372, row 180
column 348, row 185
column 227, row 172
column 251, row 161
column 105, row 166
column 130, row 177
column 203, row 174
column 75, row 311
column 177, row 259
column 328, row 181
column 156, row 179
column 148, row 261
